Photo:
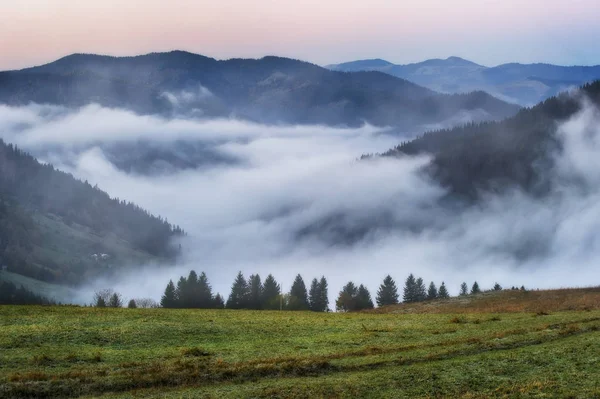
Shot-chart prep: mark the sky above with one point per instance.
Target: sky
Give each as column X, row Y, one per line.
column 489, row 32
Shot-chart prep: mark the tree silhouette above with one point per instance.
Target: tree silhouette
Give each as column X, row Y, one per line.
column 298, row 298
column 443, row 292
column 271, row 293
column 255, row 292
column 238, row 298
column 388, row 292
column 432, row 292
column 475, row 289
column 169, row 298
column 464, row 289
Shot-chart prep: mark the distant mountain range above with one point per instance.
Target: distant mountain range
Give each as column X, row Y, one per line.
column 524, row 84
column 266, row 90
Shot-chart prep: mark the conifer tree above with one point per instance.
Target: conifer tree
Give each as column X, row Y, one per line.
column 464, row 289
column 169, row 298
column 497, row 287
column 238, row 298
column 132, row 304
column 421, row 290
column 100, row 302
column 443, row 292
column 255, row 292
column 115, row 301
column 475, row 289
column 191, row 291
column 205, row 298
column 432, row 292
column 182, row 293
column 410, row 289
column 388, row 292
column 314, row 295
column 324, row 295
column 363, row 299
column 219, row 303
column 298, row 298
column 346, row 301
column 271, row 294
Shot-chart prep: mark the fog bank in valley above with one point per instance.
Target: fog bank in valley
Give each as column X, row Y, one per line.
column 294, row 199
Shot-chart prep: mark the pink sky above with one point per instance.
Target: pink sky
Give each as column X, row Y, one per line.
column 325, row 31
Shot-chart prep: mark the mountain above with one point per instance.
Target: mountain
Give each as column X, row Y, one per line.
column 492, row 156
column 267, row 90
column 57, row 229
column 524, row 84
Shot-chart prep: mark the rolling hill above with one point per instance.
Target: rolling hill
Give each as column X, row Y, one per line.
column 524, row 84
column 267, row 90
column 56, row 229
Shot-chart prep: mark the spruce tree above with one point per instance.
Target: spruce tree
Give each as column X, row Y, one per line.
column 169, row 299
column 346, row 301
column 363, row 299
column 388, row 292
column 204, row 292
column 464, row 289
column 132, row 304
column 238, row 298
column 421, row 290
column 255, row 292
column 410, row 290
column 298, row 298
column 324, row 295
column 443, row 292
column 218, row 302
column 475, row 289
column 314, row 295
column 271, row 294
column 432, row 292
column 191, row 291
column 497, row 287
column 100, row 302
column 182, row 293
column 115, row 301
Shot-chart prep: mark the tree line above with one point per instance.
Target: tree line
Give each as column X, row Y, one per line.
column 195, row 291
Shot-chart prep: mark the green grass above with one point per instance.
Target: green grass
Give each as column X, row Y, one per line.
column 160, row 353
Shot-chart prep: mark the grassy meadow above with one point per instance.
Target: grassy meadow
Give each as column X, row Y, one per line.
column 395, row 352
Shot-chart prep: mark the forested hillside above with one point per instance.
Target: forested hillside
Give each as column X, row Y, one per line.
column 266, row 90
column 495, row 155
column 58, row 229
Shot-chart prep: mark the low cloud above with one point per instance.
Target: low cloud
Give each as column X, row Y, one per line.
column 295, row 191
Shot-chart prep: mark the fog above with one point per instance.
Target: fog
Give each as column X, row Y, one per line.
column 295, row 199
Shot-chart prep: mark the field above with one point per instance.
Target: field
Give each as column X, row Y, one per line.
column 159, row 353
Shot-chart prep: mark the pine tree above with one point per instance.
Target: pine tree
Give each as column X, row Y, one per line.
column 218, row 302
column 115, row 301
column 497, row 287
column 271, row 294
column 191, row 291
column 324, row 295
column 421, row 290
column 346, row 301
column 464, row 289
column 182, row 293
column 238, row 299
column 314, row 295
column 363, row 299
column 410, row 290
column 475, row 289
column 443, row 292
column 205, row 298
column 169, row 298
column 298, row 298
column 388, row 292
column 255, row 290
column 100, row 302
column 432, row 292
column 132, row 304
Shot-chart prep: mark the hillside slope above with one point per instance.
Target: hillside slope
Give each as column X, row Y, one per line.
column 55, row 228
column 268, row 90
column 524, row 84
column 495, row 155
